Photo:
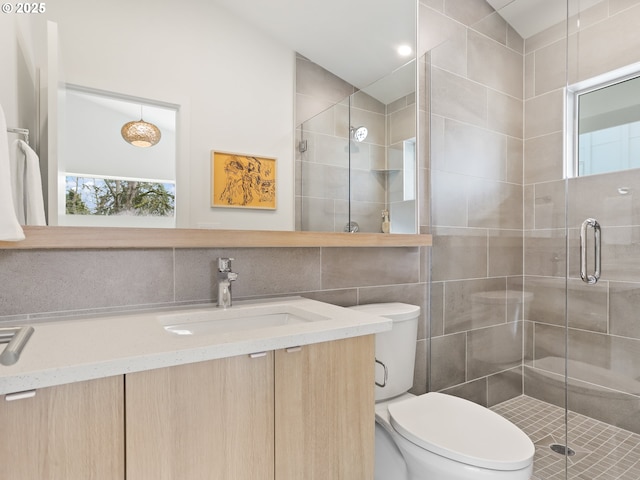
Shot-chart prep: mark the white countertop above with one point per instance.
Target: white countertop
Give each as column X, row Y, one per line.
column 72, row 350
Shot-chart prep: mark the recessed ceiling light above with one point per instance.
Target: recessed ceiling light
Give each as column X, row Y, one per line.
column 405, row 50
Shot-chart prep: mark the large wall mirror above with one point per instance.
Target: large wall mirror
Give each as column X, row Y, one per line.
column 228, row 70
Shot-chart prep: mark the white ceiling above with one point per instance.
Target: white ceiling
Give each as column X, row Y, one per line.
column 529, row 17
column 354, row 39
column 357, row 39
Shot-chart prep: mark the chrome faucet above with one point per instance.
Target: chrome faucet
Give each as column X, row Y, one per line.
column 225, row 277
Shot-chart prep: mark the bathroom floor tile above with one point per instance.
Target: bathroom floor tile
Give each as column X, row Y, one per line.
column 602, row 452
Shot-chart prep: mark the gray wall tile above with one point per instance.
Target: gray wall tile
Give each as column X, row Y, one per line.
column 624, row 305
column 505, row 252
column 495, row 65
column 505, row 114
column 515, row 160
column 607, row 360
column 468, row 12
column 495, row 349
column 544, row 253
column 504, row 386
column 544, row 158
column 472, row 151
column 450, row 210
column 261, row 271
column 547, row 300
column 543, row 114
column 347, row 267
column 448, row 357
column 459, row 253
column 475, row 391
column 552, row 77
column 495, row 204
column 421, row 370
column 544, row 386
column 435, row 28
column 457, row 98
column 61, row 280
column 587, row 305
column 474, row 304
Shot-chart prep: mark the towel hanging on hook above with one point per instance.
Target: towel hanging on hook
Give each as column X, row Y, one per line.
column 20, row 131
column 10, row 229
column 27, row 185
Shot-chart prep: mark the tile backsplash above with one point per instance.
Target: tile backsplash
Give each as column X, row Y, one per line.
column 43, row 284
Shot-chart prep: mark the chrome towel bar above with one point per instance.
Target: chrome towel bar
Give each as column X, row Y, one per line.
column 16, row 338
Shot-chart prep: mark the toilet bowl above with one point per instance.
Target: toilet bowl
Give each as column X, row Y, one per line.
column 435, row 436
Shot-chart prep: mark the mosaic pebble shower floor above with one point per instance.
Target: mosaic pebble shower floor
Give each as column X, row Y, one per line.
column 602, row 451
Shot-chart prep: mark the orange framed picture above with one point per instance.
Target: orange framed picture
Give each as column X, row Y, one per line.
column 243, row 181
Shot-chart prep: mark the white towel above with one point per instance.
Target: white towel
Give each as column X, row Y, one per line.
column 27, row 185
column 10, row 229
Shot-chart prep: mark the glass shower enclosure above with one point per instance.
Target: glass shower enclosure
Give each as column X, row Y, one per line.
column 356, row 161
column 533, row 160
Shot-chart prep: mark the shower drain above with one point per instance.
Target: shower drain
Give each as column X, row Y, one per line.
column 562, row 449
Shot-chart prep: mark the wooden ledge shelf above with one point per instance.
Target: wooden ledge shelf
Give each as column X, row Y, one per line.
column 105, row 238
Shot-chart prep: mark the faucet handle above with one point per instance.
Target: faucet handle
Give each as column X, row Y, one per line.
column 224, row 264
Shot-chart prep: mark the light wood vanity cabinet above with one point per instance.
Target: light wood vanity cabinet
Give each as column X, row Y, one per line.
column 302, row 413
column 325, row 416
column 73, row 431
column 208, row 420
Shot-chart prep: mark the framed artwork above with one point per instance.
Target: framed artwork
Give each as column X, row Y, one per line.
column 243, row 181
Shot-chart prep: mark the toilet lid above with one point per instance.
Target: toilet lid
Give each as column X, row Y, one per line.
column 462, row 431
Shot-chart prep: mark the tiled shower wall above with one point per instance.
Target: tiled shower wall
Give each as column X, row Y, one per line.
column 498, row 200
column 476, row 85
column 604, row 331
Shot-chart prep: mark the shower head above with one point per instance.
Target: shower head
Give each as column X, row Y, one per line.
column 359, row 133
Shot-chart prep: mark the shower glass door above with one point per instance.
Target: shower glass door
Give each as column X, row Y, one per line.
column 602, row 173
column 519, row 168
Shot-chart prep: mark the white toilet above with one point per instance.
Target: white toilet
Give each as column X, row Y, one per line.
column 435, row 436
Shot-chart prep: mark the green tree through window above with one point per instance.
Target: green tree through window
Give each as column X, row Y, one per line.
column 98, row 196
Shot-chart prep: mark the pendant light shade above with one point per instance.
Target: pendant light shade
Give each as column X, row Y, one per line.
column 140, row 133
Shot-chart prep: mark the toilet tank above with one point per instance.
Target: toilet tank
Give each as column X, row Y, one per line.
column 396, row 348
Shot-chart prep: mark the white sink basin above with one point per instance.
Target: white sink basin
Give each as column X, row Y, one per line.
column 235, row 319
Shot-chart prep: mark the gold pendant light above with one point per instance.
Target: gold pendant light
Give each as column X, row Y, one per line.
column 140, row 133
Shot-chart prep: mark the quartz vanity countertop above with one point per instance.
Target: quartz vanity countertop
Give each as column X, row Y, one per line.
column 72, row 350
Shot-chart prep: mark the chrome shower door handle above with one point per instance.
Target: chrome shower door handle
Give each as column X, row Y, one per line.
column 593, row 223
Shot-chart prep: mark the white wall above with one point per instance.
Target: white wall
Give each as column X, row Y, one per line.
column 8, row 60
column 17, row 73
column 234, row 84
column 93, row 121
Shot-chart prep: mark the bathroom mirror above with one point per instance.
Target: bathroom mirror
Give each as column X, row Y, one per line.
column 119, row 183
column 229, row 68
column 356, row 164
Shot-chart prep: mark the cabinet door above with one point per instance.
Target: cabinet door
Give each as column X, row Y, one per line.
column 209, row 420
column 73, row 431
column 325, row 411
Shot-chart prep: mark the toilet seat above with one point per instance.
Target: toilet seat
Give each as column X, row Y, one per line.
column 462, row 431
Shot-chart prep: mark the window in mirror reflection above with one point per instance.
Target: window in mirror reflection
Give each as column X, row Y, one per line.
column 609, row 127
column 107, row 181
column 112, row 196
